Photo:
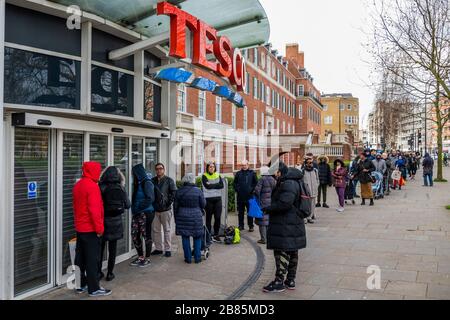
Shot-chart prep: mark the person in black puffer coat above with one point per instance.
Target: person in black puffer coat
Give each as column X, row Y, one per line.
column 325, row 180
column 115, row 202
column 286, row 233
column 188, row 211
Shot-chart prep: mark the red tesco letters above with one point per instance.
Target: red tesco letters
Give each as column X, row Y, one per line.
column 230, row 62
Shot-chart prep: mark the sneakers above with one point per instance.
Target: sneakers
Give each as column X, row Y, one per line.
column 168, row 254
column 143, row 263
column 100, row 293
column 274, row 287
column 290, row 284
column 340, row 209
column 216, row 239
column 318, row 205
column 156, row 253
column 135, row 262
column 325, row 206
column 251, row 229
column 81, row 290
column 261, row 242
column 310, row 221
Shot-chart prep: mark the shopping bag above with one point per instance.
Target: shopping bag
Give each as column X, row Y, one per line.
column 396, row 175
column 254, row 209
column 402, row 182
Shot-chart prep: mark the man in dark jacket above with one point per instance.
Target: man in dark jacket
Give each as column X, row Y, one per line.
column 325, row 180
column 143, row 215
column 244, row 184
column 428, row 164
column 286, row 233
column 165, row 190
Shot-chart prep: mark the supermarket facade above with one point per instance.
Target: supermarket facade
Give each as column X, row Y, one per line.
column 78, row 84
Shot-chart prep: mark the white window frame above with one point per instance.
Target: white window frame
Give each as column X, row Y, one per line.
column 218, row 108
column 328, row 120
column 325, row 107
column 268, row 97
column 245, row 126
column 255, row 88
column 182, row 97
column 301, row 90
column 300, row 111
column 202, row 104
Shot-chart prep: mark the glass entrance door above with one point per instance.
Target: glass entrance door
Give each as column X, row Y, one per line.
column 32, row 232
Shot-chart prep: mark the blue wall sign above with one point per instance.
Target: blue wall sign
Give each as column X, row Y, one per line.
column 32, row 190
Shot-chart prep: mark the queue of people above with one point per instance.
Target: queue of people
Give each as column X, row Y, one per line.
column 100, row 200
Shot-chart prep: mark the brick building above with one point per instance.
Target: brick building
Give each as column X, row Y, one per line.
column 281, row 103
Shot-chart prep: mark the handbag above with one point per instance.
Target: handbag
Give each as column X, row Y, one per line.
column 304, row 203
column 396, row 175
column 254, row 209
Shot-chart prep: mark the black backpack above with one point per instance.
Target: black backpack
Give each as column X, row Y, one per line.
column 113, row 200
column 304, row 202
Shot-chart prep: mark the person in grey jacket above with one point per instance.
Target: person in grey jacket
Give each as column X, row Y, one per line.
column 263, row 192
column 380, row 164
column 312, row 181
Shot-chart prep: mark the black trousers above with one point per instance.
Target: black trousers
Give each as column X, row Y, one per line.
column 141, row 228
column 213, row 208
column 323, row 191
column 242, row 206
column 112, row 252
column 87, row 257
column 286, row 264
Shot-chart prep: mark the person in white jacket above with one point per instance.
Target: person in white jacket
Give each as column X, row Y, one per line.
column 311, row 179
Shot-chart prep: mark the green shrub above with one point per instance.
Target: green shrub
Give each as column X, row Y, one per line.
column 438, row 180
column 447, row 207
column 231, row 193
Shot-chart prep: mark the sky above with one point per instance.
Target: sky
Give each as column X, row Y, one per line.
column 332, row 35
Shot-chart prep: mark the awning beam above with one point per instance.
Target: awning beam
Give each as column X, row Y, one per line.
column 127, row 51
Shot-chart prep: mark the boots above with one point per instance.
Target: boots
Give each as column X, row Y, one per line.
column 363, row 203
column 371, row 202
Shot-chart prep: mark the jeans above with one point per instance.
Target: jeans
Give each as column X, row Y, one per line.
column 213, row 208
column 86, row 259
column 241, row 209
column 323, row 191
column 112, row 251
column 263, row 232
column 187, row 249
column 286, row 264
column 428, row 177
column 355, row 184
column 341, row 195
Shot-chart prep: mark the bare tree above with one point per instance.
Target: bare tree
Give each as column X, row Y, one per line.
column 412, row 40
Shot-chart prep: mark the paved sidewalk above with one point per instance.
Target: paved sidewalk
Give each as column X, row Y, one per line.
column 406, row 234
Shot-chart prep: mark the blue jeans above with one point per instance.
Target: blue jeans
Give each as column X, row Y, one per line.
column 187, row 249
column 355, row 183
column 428, row 177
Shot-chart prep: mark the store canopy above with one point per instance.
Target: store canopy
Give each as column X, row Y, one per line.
column 244, row 21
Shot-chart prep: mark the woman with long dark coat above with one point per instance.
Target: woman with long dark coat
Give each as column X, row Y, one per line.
column 115, row 202
column 286, row 233
column 188, row 212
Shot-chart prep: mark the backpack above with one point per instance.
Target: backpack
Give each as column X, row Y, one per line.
column 232, row 236
column 113, row 200
column 304, row 202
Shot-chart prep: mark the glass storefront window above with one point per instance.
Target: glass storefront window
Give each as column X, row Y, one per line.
column 31, row 209
column 137, row 151
column 98, row 149
column 112, row 92
column 41, row 80
column 151, row 155
column 152, row 102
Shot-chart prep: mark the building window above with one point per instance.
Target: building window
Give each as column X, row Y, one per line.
column 202, row 104
column 278, row 126
column 349, row 107
column 182, row 98
column 278, row 101
column 255, row 88
column 41, row 80
column 342, row 107
column 325, row 107
column 152, row 102
column 268, row 65
column 263, row 124
column 218, row 109
column 328, row 120
column 301, row 90
column 278, row 76
column 247, row 83
column 294, row 110
column 284, row 104
column 255, row 56
column 255, row 121
column 268, row 98
column 245, row 119
column 111, row 92
column 273, row 98
column 284, row 127
column 233, row 117
column 289, row 128
column 300, row 111
column 263, row 60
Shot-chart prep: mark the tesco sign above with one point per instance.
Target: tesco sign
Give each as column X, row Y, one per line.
column 230, row 63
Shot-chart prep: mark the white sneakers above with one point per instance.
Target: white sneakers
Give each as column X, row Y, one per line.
column 340, row 209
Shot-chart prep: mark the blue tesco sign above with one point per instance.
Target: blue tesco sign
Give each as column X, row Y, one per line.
column 32, row 190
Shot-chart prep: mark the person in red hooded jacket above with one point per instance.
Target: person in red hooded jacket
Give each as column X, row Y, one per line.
column 89, row 225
